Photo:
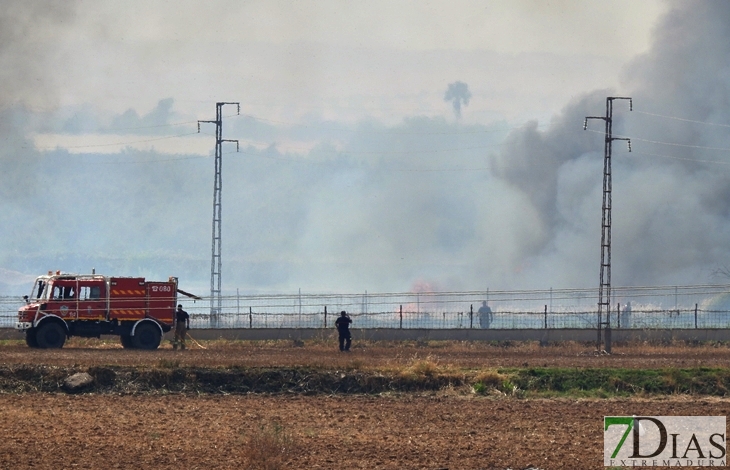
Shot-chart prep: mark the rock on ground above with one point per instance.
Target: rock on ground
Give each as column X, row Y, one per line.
column 77, row 381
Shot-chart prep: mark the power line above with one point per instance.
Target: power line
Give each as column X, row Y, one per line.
column 355, row 152
column 682, row 119
column 162, row 160
column 696, row 160
column 282, row 159
column 324, row 126
column 330, row 164
column 117, row 143
column 516, row 294
column 284, row 147
column 156, row 126
column 675, row 144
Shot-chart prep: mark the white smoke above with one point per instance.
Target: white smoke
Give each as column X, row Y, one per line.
column 382, row 207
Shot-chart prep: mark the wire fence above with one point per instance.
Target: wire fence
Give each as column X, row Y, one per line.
column 672, row 307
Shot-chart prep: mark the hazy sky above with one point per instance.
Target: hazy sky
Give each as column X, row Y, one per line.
column 341, row 60
column 384, row 145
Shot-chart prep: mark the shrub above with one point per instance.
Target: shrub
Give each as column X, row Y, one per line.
column 490, row 378
column 427, row 368
column 268, row 448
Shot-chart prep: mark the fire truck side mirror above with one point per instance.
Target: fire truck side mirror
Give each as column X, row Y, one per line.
column 25, row 297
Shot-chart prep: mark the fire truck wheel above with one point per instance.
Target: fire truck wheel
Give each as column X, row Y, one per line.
column 146, row 336
column 126, row 341
column 31, row 339
column 50, row 335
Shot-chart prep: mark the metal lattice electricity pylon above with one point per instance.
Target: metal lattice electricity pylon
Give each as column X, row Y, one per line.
column 215, row 260
column 604, row 287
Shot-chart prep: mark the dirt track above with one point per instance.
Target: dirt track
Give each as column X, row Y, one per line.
column 449, row 428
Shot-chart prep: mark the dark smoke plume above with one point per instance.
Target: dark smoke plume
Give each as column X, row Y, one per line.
column 671, row 196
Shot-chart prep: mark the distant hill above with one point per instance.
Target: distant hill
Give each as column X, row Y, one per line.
column 15, row 283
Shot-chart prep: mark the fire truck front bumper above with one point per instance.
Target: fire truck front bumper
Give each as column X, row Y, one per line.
column 23, row 325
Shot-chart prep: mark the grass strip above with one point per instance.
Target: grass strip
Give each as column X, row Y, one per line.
column 602, row 382
column 422, row 376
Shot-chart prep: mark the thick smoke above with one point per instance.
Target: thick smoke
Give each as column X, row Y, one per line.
column 384, row 208
column 458, row 93
column 671, row 210
column 24, row 30
column 27, row 81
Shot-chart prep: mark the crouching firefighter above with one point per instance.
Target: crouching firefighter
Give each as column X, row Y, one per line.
column 182, row 325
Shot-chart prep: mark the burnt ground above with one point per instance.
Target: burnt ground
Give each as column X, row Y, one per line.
column 133, row 423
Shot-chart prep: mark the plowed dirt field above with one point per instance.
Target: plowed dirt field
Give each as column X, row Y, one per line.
column 447, row 428
column 45, row 431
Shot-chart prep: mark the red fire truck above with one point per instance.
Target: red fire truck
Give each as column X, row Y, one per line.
column 90, row 305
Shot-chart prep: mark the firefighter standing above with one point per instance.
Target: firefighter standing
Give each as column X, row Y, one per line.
column 343, row 328
column 485, row 315
column 182, row 325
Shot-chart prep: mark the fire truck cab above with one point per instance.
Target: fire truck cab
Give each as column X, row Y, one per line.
column 63, row 305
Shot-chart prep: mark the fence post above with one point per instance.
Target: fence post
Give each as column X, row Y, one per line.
column 546, row 317
column 471, row 316
column 325, row 317
column 250, row 317
column 618, row 314
column 401, row 317
column 695, row 316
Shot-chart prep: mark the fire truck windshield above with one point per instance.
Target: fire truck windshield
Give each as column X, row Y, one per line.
column 40, row 290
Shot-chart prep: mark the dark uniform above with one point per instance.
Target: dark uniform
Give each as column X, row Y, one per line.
column 343, row 328
column 182, row 325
